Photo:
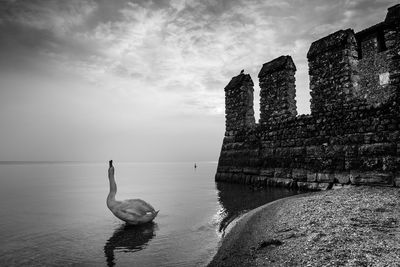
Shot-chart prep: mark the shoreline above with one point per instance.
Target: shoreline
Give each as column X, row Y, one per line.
column 351, row 226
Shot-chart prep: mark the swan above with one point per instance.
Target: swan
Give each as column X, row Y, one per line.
column 132, row 211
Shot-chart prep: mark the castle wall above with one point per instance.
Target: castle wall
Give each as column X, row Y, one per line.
column 348, row 138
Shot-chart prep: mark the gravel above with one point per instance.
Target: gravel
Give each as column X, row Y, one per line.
column 354, row 226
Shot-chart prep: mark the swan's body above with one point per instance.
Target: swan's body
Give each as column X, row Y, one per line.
column 132, row 211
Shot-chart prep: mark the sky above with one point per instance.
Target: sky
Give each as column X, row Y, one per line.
column 86, row 80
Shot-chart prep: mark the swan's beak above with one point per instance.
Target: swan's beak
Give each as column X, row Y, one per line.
column 110, row 163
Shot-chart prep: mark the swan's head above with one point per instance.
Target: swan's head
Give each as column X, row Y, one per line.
column 110, row 169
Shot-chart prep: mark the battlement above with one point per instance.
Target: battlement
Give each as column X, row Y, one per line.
column 333, row 71
column 276, row 65
column 352, row 134
column 239, row 104
column 278, row 90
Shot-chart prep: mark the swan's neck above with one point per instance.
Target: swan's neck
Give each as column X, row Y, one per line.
column 113, row 191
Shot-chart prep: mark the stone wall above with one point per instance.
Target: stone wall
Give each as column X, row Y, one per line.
column 239, row 104
column 352, row 134
column 374, row 65
column 277, row 97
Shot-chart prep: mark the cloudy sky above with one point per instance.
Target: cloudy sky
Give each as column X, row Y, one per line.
column 143, row 80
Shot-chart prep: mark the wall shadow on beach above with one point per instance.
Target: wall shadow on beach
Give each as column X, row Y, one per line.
column 237, row 199
column 128, row 239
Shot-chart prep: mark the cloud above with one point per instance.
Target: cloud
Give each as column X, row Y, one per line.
column 180, row 49
column 35, row 27
column 57, row 16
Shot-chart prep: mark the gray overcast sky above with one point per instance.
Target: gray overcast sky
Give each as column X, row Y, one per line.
column 143, row 80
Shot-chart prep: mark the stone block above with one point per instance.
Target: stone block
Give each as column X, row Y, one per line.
column 342, row 177
column 235, row 169
column 283, row 152
column 371, row 178
column 269, row 172
column 299, row 174
column 267, row 152
column 304, row 185
column 314, row 151
column 370, row 163
column 280, row 182
column 311, row 176
column 298, row 151
column 388, row 149
column 334, row 151
column 389, row 163
column 313, row 186
column 325, row 177
column 350, row 151
column 337, row 186
column 261, row 179
column 237, row 178
column 324, row 186
column 397, row 180
column 351, row 163
column 248, row 179
column 250, row 171
column 223, row 176
column 222, row 168
column 283, row 173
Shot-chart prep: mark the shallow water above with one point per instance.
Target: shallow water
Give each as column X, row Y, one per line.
column 55, row 214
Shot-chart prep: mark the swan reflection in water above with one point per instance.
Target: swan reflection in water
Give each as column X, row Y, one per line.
column 128, row 238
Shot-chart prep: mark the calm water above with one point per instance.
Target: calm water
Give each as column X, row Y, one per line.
column 55, row 214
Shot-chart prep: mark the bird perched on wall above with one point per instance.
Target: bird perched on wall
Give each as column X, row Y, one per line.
column 132, row 211
column 242, row 72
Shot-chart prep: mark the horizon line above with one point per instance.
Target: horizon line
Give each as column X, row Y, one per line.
column 92, row 162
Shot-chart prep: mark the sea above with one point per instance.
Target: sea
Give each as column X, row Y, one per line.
column 55, row 213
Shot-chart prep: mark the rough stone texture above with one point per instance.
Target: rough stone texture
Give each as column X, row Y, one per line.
column 277, row 83
column 373, row 66
column 352, row 134
column 239, row 103
column 333, row 72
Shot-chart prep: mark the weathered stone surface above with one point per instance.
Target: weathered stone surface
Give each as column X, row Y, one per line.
column 280, row 182
column 397, row 180
column 283, row 173
column 267, row 172
column 307, row 185
column 337, row 186
column 373, row 79
column 372, row 178
column 239, row 103
column 311, row 176
column 277, row 95
column 251, row 170
column 377, row 149
column 313, row 186
column 299, row 174
column 342, row 177
column 325, row 177
column 324, row 186
column 353, row 131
